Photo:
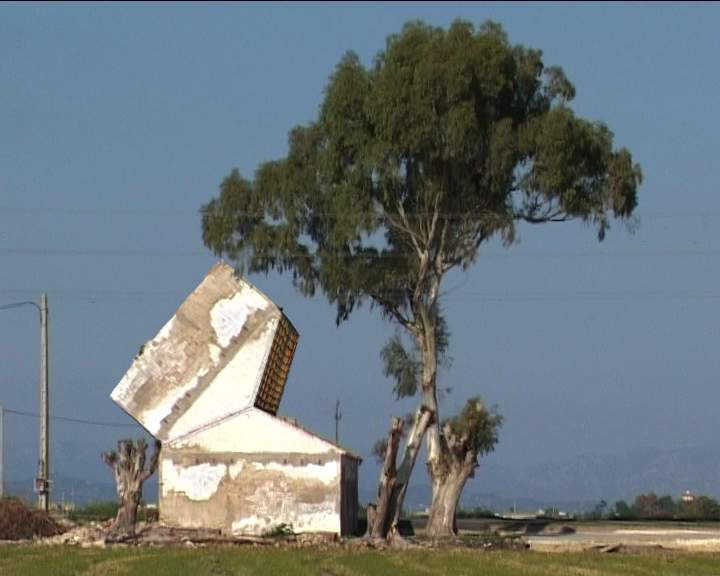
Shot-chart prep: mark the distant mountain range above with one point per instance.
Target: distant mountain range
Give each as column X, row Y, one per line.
column 573, row 485
column 79, row 491
column 580, row 483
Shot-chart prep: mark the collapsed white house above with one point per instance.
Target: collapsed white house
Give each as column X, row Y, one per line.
column 209, row 386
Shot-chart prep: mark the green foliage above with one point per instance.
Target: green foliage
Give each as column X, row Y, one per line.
column 476, row 512
column 449, row 139
column 598, row 512
column 478, row 425
column 102, row 511
column 379, row 450
column 650, row 506
column 281, row 530
column 403, row 366
column 622, row 511
column 95, row 511
column 470, row 434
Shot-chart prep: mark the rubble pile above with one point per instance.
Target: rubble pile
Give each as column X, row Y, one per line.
column 21, row 522
column 92, row 534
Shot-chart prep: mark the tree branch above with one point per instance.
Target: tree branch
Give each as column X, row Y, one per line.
column 154, row 460
column 406, row 227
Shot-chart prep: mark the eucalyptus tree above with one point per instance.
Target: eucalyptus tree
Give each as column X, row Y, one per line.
column 450, row 138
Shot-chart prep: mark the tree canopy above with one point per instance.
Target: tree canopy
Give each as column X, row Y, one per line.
column 450, row 138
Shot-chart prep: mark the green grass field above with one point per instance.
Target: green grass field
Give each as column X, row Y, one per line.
column 65, row 561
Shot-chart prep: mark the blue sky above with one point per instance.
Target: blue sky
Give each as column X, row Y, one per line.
column 120, row 120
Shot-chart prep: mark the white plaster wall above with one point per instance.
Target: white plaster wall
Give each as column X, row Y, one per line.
column 144, row 369
column 255, row 431
column 235, row 386
column 153, row 415
column 228, row 315
column 197, row 482
column 303, row 517
column 268, row 505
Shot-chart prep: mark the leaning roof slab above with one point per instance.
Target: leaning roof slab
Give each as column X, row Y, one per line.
column 228, row 347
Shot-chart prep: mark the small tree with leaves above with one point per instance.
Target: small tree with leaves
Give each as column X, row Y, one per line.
column 464, row 438
column 128, row 465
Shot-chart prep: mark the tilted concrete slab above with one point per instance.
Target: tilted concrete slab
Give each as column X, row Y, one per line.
column 228, row 347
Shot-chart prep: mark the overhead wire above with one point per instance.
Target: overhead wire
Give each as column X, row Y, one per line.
column 504, row 254
column 72, row 420
column 705, row 214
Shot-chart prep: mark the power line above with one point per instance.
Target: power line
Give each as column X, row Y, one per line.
column 99, row 211
column 640, row 295
column 104, row 253
column 17, row 305
column 495, row 296
column 491, row 254
column 72, row 420
column 104, row 294
column 703, row 215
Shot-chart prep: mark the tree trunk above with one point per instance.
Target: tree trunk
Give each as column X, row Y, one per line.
column 441, row 522
column 128, row 465
column 423, row 417
column 427, row 343
column 433, row 462
column 379, row 518
column 127, row 514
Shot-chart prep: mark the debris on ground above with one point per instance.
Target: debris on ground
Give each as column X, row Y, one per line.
column 18, row 521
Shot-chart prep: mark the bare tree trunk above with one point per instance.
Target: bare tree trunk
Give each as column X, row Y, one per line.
column 378, row 518
column 441, row 522
column 434, row 455
column 128, row 465
column 423, row 417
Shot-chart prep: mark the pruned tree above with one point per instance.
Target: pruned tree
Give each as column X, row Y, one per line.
column 128, row 465
column 382, row 518
column 386, row 452
column 464, row 438
column 453, row 137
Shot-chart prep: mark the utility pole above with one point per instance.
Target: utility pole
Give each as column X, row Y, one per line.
column 44, row 462
column 338, row 417
column 42, row 480
column 2, row 451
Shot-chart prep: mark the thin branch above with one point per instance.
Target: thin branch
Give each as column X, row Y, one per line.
column 390, row 308
column 153, row 461
column 407, row 228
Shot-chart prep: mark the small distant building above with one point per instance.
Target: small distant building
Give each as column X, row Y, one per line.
column 209, row 387
column 688, row 497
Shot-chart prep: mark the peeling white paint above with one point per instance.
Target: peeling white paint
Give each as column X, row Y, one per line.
column 235, row 469
column 152, row 417
column 166, row 330
column 215, row 352
column 228, row 316
column 303, row 517
column 327, row 473
column 250, row 525
column 197, row 482
column 232, row 390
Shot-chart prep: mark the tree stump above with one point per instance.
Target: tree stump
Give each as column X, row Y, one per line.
column 128, row 465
